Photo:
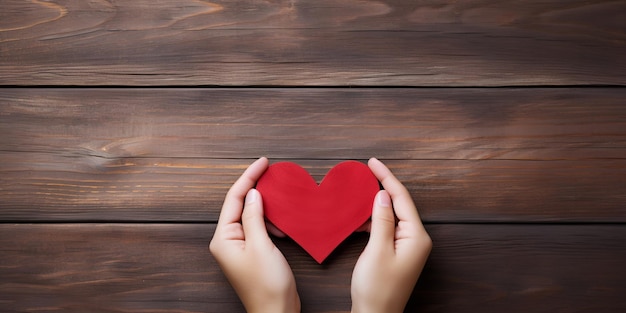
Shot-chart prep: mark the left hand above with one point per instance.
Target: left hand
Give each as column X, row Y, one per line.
column 255, row 267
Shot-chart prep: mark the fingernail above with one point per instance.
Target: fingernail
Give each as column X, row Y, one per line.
column 383, row 199
column 251, row 196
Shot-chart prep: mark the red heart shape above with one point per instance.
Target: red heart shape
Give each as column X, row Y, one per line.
column 320, row 217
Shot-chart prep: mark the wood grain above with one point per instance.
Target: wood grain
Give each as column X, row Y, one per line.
column 466, row 154
column 41, row 187
column 321, row 42
column 523, row 189
column 110, row 125
column 166, row 268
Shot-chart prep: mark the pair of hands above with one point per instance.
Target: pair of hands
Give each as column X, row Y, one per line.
column 384, row 275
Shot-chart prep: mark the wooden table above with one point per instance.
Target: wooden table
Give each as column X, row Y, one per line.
column 123, row 123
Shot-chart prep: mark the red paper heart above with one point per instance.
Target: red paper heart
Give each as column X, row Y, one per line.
column 320, row 217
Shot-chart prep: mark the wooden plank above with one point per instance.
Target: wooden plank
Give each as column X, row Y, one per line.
column 42, row 187
column 111, row 125
column 372, row 43
column 166, row 268
column 466, row 155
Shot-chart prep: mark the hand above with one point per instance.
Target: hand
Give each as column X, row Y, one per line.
column 256, row 269
column 387, row 270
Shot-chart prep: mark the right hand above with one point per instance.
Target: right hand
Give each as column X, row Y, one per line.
column 387, row 270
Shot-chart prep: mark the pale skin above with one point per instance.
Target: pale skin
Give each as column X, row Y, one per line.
column 384, row 275
column 256, row 269
column 387, row 270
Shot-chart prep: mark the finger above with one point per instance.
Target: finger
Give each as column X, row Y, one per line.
column 233, row 203
column 383, row 222
column 252, row 219
column 402, row 202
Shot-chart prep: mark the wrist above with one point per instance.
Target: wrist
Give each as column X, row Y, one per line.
column 371, row 311
column 275, row 309
column 365, row 308
column 279, row 306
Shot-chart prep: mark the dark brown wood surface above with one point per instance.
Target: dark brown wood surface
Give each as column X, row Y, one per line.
column 466, row 154
column 505, row 119
column 391, row 123
column 167, row 268
column 322, row 42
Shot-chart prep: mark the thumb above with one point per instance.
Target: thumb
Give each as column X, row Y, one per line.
column 383, row 222
column 252, row 218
